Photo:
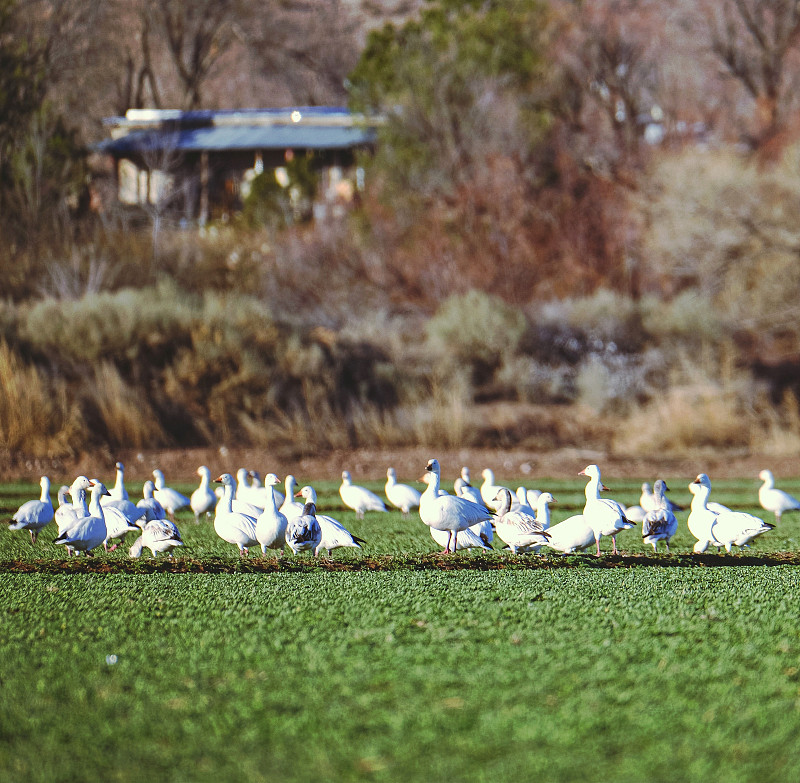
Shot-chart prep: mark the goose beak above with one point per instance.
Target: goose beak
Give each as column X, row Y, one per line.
column 604, row 488
column 582, row 473
column 218, row 480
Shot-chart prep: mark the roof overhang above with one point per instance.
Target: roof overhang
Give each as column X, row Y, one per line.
column 317, row 128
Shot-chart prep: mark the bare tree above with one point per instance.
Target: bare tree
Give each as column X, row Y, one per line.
column 758, row 44
column 609, row 53
column 196, row 33
column 59, row 31
column 136, row 84
column 312, row 45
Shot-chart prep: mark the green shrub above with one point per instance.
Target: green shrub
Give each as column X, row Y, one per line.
column 688, row 318
column 477, row 332
column 126, row 326
column 274, row 204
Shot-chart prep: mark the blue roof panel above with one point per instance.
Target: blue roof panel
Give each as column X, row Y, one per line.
column 240, row 137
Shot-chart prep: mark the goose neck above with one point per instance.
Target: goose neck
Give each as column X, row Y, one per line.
column 700, row 498
column 543, row 514
column 273, row 501
column 227, row 497
column 505, row 503
column 433, row 483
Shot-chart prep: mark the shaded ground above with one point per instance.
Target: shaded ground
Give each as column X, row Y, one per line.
column 426, row 562
column 371, row 464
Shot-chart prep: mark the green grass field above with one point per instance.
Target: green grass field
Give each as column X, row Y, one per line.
column 397, row 664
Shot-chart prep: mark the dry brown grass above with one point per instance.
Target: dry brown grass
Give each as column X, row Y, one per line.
column 684, row 419
column 128, row 420
column 36, row 414
column 778, row 430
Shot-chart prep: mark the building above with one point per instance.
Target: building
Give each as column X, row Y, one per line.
column 197, row 165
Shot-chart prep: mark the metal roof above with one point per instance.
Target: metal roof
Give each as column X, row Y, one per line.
column 302, row 128
column 261, row 137
column 316, row 115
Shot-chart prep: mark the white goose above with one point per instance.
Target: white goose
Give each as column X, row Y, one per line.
column 303, row 533
column 483, row 529
column 543, row 503
column 255, row 483
column 447, row 512
column 659, row 524
column 360, row 499
column 401, row 496
column 727, row 528
column 64, row 500
column 159, row 535
column 635, row 513
column 521, row 500
column 737, row 528
column 604, row 516
column 290, row 508
column 571, row 535
column 649, row 501
column 203, row 499
column 230, row 525
column 532, row 496
column 489, row 488
column 517, row 528
column 251, row 493
column 69, row 513
column 118, row 491
column 170, row 498
column 151, row 506
column 129, row 510
column 468, row 492
column 701, row 517
column 334, row 533
column 240, row 505
column 248, row 509
column 88, row 532
column 463, row 479
column 464, row 489
column 33, row 515
column 117, row 524
column 271, row 523
column 773, row 499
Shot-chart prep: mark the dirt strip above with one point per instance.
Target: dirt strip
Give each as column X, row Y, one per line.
column 434, row 562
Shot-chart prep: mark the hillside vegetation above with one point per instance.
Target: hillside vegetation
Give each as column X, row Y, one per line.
column 523, row 269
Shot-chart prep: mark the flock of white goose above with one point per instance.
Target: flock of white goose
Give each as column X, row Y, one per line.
column 250, row 514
